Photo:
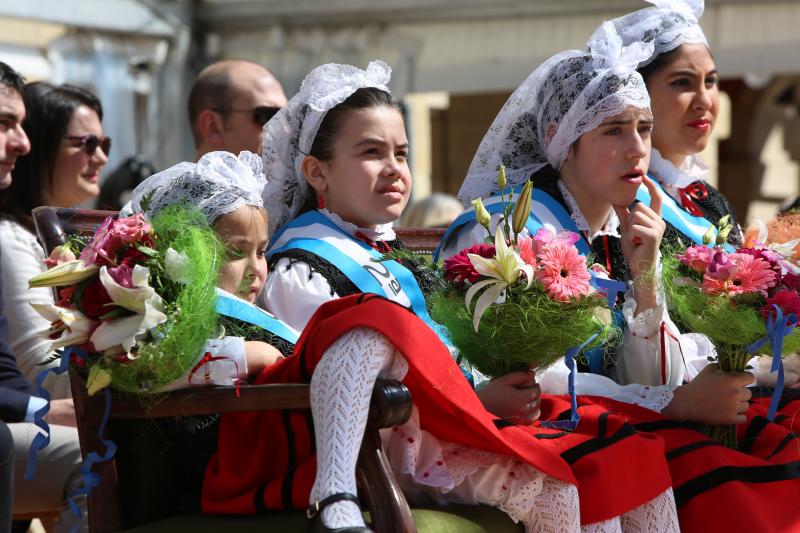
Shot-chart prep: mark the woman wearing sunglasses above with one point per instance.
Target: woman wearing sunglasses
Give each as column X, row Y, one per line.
column 68, row 152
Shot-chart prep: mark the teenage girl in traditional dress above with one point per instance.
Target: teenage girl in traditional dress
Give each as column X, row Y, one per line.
column 586, row 149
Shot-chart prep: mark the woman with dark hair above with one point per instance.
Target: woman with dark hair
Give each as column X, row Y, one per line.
column 683, row 82
column 68, row 151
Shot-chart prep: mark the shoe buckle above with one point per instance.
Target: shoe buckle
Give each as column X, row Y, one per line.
column 312, row 510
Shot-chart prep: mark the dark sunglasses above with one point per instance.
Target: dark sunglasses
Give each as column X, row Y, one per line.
column 91, row 142
column 261, row 114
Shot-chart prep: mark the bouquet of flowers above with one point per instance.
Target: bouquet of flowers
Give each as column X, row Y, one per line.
column 525, row 302
column 137, row 306
column 743, row 300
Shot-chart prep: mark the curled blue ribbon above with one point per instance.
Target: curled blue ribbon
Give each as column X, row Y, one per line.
column 778, row 328
column 42, row 439
column 569, row 360
column 92, row 479
column 610, row 286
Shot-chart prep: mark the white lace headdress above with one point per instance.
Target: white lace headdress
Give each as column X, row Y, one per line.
column 218, row 183
column 668, row 24
column 289, row 135
column 569, row 94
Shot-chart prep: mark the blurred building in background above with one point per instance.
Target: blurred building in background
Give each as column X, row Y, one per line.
column 454, row 61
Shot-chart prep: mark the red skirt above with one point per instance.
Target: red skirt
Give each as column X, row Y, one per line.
column 718, row 489
column 266, row 460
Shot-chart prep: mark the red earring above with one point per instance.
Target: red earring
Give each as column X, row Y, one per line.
column 320, row 202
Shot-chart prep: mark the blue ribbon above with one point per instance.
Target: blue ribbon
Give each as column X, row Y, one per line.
column 569, row 360
column 92, row 479
column 42, row 440
column 610, row 286
column 778, row 328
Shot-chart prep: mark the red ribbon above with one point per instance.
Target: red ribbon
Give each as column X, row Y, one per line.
column 207, row 358
column 664, row 333
column 690, row 194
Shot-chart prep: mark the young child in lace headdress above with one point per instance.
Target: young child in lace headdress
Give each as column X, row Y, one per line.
column 335, row 159
column 227, row 190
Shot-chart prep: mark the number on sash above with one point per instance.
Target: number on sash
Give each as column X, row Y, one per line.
column 377, row 274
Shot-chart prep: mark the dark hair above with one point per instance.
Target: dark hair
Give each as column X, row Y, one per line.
column 364, row 98
column 209, row 91
column 49, row 110
column 661, row 61
column 10, row 78
column 322, row 148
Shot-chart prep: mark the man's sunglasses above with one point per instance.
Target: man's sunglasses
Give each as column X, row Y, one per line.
column 261, row 114
column 91, row 142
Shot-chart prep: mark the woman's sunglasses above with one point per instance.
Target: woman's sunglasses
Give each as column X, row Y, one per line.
column 261, row 114
column 91, row 142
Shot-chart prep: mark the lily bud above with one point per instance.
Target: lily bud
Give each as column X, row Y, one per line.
column 724, row 231
column 501, row 177
column 523, row 208
column 99, row 379
column 481, row 214
column 708, row 236
column 68, row 273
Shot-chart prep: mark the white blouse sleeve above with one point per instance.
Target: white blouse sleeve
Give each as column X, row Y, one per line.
column 228, row 371
column 21, row 258
column 293, row 292
column 652, row 355
column 553, row 380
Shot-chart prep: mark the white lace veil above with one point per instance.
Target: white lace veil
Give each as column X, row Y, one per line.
column 668, row 24
column 218, row 183
column 569, row 94
column 289, row 135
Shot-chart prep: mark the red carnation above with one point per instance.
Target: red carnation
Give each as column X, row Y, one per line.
column 458, row 269
column 787, row 300
column 93, row 299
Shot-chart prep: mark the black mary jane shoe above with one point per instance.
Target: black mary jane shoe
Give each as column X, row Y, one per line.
column 314, row 513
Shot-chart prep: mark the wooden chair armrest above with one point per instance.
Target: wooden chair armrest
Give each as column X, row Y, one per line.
column 390, row 404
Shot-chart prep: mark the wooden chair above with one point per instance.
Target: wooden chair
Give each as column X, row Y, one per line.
column 390, row 406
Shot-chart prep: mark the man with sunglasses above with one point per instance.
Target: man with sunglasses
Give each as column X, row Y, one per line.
column 59, row 463
column 229, row 103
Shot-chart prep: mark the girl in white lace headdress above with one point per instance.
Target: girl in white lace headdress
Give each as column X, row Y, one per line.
column 683, row 83
column 335, row 161
column 227, row 190
column 579, row 126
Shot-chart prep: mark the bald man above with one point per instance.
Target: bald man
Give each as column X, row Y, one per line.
column 229, row 104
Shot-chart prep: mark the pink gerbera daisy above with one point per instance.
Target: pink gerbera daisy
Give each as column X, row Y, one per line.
column 459, row 269
column 526, row 249
column 753, row 274
column 563, row 272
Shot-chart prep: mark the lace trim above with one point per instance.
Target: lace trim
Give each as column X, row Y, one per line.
column 656, row 398
column 673, row 178
column 610, row 227
column 383, row 232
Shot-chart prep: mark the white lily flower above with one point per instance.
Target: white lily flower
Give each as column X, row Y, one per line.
column 503, row 269
column 133, row 299
column 68, row 273
column 127, row 331
column 73, row 325
column 175, row 266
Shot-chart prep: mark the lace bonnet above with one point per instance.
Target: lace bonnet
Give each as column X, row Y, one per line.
column 218, row 183
column 289, row 135
column 570, row 94
column 668, row 24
